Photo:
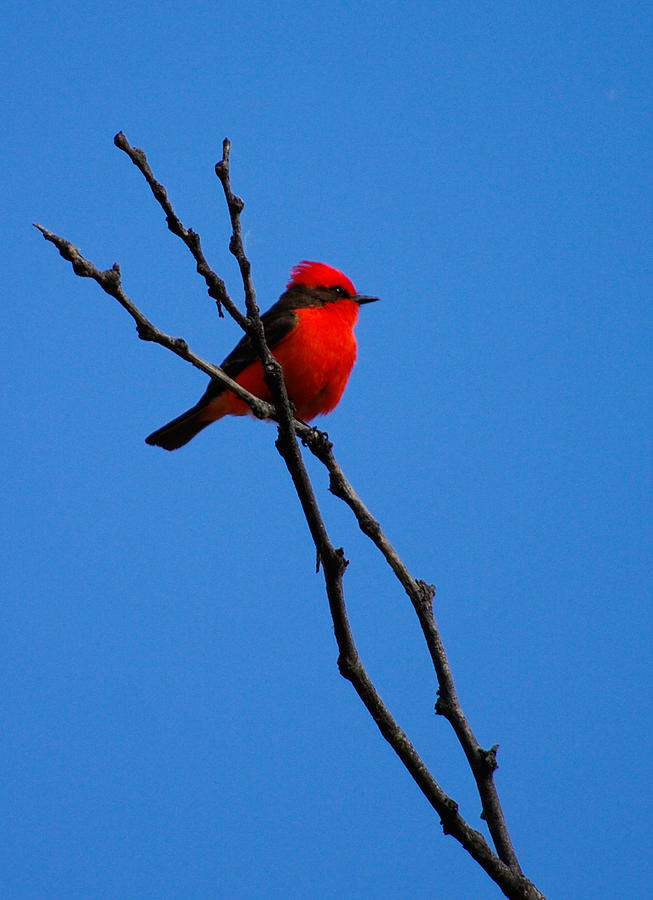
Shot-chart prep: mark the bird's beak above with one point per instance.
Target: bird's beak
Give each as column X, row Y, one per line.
column 360, row 299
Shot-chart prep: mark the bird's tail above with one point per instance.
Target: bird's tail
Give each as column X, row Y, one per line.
column 179, row 432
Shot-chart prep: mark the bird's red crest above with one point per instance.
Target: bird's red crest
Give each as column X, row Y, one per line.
column 315, row 274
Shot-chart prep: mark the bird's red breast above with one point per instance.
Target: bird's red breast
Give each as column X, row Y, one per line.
column 316, row 356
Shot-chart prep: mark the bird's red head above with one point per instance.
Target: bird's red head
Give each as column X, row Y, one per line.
column 316, row 275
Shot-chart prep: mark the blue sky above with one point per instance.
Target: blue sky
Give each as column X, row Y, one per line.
column 173, row 720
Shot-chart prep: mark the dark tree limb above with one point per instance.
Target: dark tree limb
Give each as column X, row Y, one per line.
column 482, row 762
column 110, row 282
column 501, row 866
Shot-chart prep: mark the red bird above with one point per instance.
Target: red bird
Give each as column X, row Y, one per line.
column 310, row 331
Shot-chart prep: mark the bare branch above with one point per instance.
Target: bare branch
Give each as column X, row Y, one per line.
column 482, row 762
column 271, row 369
column 502, row 868
column 109, row 281
column 216, row 287
column 235, row 206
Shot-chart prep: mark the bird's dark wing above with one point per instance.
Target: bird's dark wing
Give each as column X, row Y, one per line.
column 277, row 322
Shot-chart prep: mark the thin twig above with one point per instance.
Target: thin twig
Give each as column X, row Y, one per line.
column 215, row 285
column 235, row 206
column 272, row 371
column 109, row 281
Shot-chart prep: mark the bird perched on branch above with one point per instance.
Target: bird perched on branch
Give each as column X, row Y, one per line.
column 310, row 332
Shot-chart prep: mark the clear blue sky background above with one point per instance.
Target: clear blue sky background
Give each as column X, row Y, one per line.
column 173, row 723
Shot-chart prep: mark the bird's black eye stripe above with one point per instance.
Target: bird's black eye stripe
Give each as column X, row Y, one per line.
column 339, row 290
